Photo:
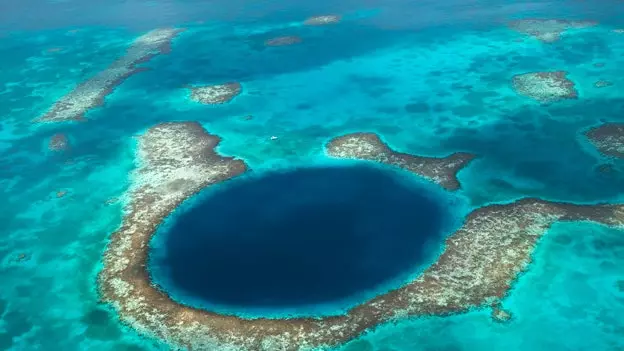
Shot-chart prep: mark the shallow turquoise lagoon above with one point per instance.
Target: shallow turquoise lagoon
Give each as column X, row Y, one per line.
column 431, row 78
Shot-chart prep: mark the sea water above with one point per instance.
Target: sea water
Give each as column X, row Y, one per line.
column 431, row 77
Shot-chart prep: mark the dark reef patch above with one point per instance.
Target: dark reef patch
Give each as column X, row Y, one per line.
column 608, row 139
column 298, row 238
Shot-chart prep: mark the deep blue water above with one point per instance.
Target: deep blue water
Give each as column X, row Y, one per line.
column 287, row 240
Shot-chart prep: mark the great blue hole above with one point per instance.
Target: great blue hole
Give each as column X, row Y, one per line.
column 298, row 238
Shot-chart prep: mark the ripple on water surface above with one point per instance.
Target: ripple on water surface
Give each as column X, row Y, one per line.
column 306, row 241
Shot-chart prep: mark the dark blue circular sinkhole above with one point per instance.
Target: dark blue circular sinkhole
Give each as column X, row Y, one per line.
column 302, row 237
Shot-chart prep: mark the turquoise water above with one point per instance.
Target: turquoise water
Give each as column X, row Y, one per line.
column 431, row 78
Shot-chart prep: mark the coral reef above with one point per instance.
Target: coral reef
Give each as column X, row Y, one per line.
column 215, row 94
column 176, row 160
column 322, row 20
column 548, row 30
column 499, row 314
column 368, row 146
column 91, row 93
column 283, row 41
column 479, row 263
column 545, row 87
column 603, row 84
column 58, row 142
column 608, row 139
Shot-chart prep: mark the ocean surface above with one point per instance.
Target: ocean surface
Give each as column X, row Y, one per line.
column 430, row 77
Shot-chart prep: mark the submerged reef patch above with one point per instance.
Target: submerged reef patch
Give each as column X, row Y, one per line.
column 322, row 20
column 176, row 160
column 369, row 146
column 608, row 139
column 545, row 87
column 58, row 142
column 548, row 30
column 91, row 93
column 215, row 94
column 603, row 83
column 283, row 41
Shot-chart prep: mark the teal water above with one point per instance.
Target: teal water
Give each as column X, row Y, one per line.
column 430, row 78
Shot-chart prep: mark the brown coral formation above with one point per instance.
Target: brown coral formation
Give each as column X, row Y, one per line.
column 322, row 20
column 215, row 94
column 58, row 142
column 545, row 87
column 91, row 93
column 480, row 260
column 368, row 146
column 548, row 30
column 608, row 139
column 283, row 41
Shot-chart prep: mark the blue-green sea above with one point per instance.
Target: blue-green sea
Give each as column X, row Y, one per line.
column 430, row 77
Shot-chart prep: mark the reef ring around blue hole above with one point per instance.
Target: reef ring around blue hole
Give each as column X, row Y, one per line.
column 297, row 239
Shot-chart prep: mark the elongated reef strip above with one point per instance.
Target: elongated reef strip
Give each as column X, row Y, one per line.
column 608, row 139
column 322, row 20
column 92, row 92
column 548, row 30
column 369, row 146
column 176, row 160
column 283, row 41
column 545, row 87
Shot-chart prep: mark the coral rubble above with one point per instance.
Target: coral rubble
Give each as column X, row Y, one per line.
column 91, row 93
column 368, row 146
column 215, row 94
column 545, row 87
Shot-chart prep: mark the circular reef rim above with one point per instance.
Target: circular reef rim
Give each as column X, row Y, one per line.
column 363, row 202
column 477, row 267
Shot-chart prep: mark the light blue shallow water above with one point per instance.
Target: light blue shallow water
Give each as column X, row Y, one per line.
column 431, row 78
